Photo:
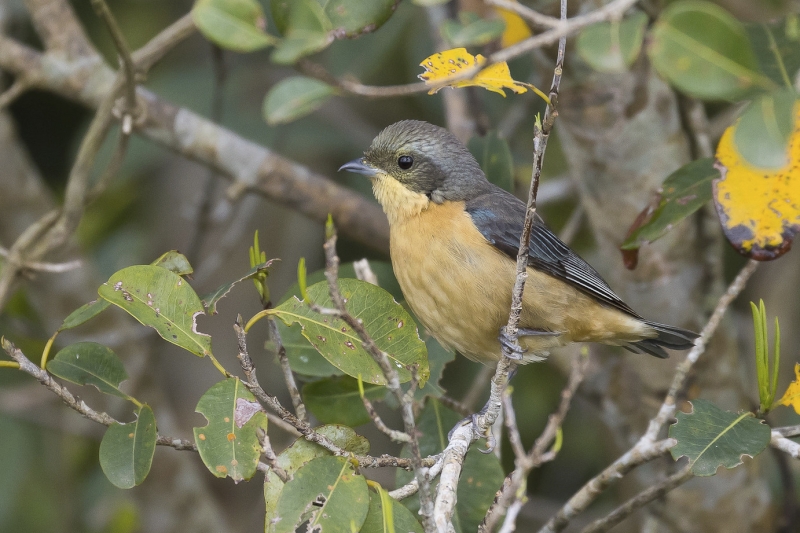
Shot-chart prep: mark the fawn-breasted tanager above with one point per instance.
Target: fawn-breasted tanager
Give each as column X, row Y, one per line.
column 454, row 238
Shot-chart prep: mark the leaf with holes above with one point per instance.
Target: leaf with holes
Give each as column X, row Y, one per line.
column 442, row 66
column 759, row 208
column 711, row 437
column 228, row 444
column 126, row 451
column 327, row 494
column 338, row 401
column 232, row 24
column 301, row 452
column 210, row 301
column 162, row 300
column 89, row 363
column 704, row 51
column 613, row 46
column 389, row 325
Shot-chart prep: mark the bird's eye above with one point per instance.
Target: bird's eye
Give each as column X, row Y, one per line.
column 405, row 162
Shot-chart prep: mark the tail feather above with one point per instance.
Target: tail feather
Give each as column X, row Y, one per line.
column 670, row 337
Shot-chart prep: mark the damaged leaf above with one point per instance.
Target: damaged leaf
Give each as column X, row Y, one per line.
column 448, row 64
column 711, row 437
column 174, row 261
column 759, row 208
column 161, row 299
column 210, row 301
column 228, row 444
column 326, row 494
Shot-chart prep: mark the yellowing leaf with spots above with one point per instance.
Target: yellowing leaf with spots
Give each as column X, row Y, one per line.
column 451, row 64
column 792, row 396
column 228, row 444
column 516, row 28
column 759, row 208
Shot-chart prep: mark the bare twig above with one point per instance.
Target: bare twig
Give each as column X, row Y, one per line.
column 41, row 266
column 525, row 12
column 12, row 93
column 395, row 435
column 305, row 430
column 788, row 431
column 647, row 448
column 288, row 375
column 783, row 444
column 643, row 498
column 272, row 459
column 405, row 399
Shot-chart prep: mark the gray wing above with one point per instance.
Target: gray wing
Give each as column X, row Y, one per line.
column 499, row 217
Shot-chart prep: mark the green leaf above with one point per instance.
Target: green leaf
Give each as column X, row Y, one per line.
column 210, row 300
column 232, row 24
column 471, row 32
column 174, row 261
column 126, row 451
column 304, row 358
column 301, row 452
column 379, row 517
column 438, row 358
column 348, row 18
column 711, row 437
column 613, row 46
column 762, row 134
column 389, row 325
column 494, row 157
column 162, row 300
column 684, row 191
column 89, row 363
column 337, row 400
column 295, row 97
column 228, row 444
column 307, row 31
column 481, row 474
column 326, row 493
column 84, row 313
column 776, row 49
column 704, row 51
column 382, row 270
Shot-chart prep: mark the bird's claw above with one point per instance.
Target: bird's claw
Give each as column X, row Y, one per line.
column 511, row 348
column 473, row 421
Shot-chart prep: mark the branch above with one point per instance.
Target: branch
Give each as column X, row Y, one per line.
column 60, row 30
column 251, row 167
column 783, row 444
column 12, row 93
column 640, row 500
column 525, row 12
column 647, row 448
column 288, row 376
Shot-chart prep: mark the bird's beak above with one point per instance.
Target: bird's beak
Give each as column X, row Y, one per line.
column 359, row 167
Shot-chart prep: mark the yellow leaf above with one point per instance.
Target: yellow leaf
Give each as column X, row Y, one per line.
column 792, row 396
column 759, row 209
column 449, row 64
column 516, row 28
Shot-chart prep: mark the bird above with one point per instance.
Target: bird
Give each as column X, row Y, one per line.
column 454, row 238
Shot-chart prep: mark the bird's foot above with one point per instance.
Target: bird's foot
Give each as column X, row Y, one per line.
column 474, row 421
column 511, row 347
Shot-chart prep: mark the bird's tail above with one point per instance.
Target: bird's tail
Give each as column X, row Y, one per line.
column 668, row 337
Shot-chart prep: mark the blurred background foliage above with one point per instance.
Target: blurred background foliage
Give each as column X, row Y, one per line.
column 50, row 478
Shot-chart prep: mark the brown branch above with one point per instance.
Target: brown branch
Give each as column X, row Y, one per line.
column 251, row 167
column 304, row 428
column 640, row 500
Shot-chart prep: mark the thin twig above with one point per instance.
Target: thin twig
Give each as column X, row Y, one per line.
column 405, row 399
column 783, row 444
column 288, row 375
column 17, row 88
column 647, row 448
column 640, row 500
column 272, row 459
column 525, row 12
column 41, row 266
column 788, row 431
column 305, row 430
column 395, row 435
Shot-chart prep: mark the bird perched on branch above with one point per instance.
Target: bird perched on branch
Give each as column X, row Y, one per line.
column 454, row 238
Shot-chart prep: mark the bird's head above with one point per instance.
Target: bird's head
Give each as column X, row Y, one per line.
column 413, row 163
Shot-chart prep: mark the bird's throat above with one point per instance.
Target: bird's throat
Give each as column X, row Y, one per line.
column 398, row 202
